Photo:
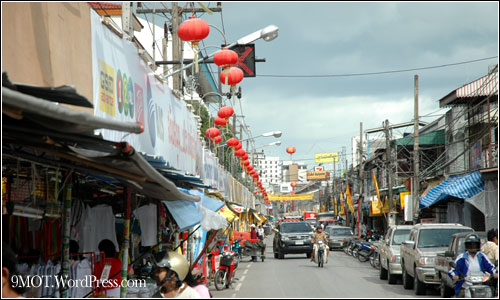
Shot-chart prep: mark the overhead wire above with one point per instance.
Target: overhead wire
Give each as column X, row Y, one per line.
column 380, row 72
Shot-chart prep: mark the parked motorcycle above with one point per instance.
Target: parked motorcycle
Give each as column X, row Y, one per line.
column 476, row 287
column 224, row 275
column 375, row 258
column 366, row 251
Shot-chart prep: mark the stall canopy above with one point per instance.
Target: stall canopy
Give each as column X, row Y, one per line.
column 41, row 130
column 462, row 186
column 228, row 214
column 188, row 214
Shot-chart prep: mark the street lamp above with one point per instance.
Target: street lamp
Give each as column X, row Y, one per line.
column 276, row 134
column 271, row 144
column 268, row 34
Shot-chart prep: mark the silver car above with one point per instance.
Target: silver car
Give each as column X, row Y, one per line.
column 336, row 235
column 390, row 259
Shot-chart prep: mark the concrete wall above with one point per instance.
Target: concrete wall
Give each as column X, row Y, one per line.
column 48, row 44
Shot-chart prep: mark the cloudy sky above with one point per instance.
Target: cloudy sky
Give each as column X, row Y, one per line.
column 332, row 38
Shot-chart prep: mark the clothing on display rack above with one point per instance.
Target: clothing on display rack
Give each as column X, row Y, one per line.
column 80, row 272
column 96, row 224
column 147, row 217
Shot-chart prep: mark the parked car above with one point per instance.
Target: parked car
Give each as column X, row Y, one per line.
column 390, row 259
column 456, row 247
column 292, row 237
column 337, row 235
column 418, row 254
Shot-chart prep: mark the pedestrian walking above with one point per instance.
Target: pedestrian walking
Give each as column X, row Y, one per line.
column 260, row 233
column 491, row 246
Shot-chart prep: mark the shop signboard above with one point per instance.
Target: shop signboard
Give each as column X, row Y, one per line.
column 318, row 175
column 125, row 89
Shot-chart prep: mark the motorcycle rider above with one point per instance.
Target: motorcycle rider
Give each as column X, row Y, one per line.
column 470, row 262
column 170, row 271
column 319, row 235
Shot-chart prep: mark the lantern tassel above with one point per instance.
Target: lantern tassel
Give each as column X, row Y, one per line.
column 196, row 49
column 226, row 72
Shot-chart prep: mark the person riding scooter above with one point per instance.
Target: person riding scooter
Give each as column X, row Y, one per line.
column 471, row 262
column 319, row 235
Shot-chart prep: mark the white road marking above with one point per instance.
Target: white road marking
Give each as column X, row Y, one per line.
column 242, row 278
column 234, row 295
column 238, row 287
column 246, row 271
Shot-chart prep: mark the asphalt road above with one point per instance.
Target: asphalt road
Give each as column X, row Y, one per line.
column 297, row 277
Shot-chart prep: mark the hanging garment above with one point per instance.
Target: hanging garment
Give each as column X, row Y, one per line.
column 96, row 224
column 147, row 217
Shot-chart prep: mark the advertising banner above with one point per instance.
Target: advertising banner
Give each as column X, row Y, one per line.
column 318, row 175
column 290, row 197
column 125, row 89
column 326, row 157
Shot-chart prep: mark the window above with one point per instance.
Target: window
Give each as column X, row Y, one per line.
column 400, row 236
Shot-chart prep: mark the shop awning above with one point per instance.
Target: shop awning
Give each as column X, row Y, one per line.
column 235, row 208
column 431, row 138
column 228, row 214
column 460, row 186
column 187, row 214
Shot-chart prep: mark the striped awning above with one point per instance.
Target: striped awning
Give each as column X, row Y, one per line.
column 460, row 186
column 484, row 86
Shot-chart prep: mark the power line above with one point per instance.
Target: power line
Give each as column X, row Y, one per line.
column 379, row 73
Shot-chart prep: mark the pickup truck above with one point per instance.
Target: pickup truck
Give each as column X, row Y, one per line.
column 418, row 254
column 390, row 259
column 456, row 247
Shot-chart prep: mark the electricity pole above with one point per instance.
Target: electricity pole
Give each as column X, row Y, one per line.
column 388, row 162
column 415, row 187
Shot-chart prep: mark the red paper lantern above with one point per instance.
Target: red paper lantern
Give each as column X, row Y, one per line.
column 293, row 193
column 293, row 184
column 217, row 139
column 225, row 58
column 220, row 121
column 238, row 147
column 231, row 76
column 225, row 112
column 239, row 153
column 290, row 150
column 212, row 132
column 244, row 157
column 246, row 163
column 193, row 30
column 232, row 142
column 250, row 168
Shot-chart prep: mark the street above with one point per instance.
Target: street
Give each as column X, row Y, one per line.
column 297, row 277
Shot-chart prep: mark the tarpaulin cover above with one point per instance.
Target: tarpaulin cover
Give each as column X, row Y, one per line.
column 187, row 214
column 461, row 186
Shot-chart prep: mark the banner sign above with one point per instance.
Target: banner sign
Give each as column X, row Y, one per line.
column 125, row 89
column 326, row 157
column 290, row 197
column 320, row 175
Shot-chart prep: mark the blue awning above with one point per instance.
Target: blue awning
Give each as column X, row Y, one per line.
column 460, row 186
column 187, row 214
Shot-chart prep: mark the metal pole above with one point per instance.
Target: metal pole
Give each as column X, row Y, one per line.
column 389, row 171
column 126, row 240
column 176, row 52
column 416, row 183
column 360, row 179
column 66, row 235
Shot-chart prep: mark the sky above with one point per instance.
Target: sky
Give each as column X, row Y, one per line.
column 334, row 38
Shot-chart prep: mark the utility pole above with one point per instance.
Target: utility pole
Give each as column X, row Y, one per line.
column 416, row 185
column 360, row 178
column 388, row 163
column 176, row 46
column 127, row 20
